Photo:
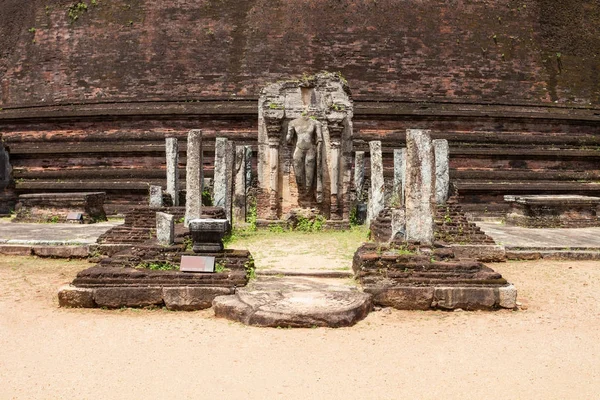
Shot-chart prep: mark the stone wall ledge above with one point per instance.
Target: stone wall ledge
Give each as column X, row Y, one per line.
column 245, row 108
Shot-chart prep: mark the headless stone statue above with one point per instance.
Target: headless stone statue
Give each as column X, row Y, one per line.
column 307, row 152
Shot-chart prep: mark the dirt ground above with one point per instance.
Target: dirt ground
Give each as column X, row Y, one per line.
column 548, row 350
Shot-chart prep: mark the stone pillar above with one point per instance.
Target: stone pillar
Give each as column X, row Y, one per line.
column 273, row 177
column 193, row 179
column 376, row 202
column 359, row 174
column 420, row 186
column 223, row 180
column 172, row 155
column 399, row 177
column 442, row 170
column 156, row 199
column 248, row 167
column 239, row 197
column 165, row 229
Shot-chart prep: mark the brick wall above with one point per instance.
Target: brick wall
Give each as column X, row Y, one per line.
column 497, row 51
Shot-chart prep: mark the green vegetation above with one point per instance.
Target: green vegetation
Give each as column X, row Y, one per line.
column 76, row 10
column 158, row 266
column 310, row 224
column 220, row 267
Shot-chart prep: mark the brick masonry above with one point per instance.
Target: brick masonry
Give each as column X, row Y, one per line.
column 514, row 91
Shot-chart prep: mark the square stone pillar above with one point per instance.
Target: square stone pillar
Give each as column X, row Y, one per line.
column 335, row 135
column 420, row 186
column 165, row 228
column 239, row 197
column 376, row 202
column 442, row 170
column 223, row 180
column 156, row 197
column 172, row 156
column 399, row 177
column 193, row 180
column 359, row 174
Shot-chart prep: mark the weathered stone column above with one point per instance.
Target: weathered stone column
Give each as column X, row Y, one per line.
column 193, row 184
column 376, row 202
column 172, row 155
column 165, row 228
column 223, row 193
column 239, row 198
column 335, row 134
column 420, row 186
column 359, row 174
column 442, row 170
column 156, row 199
column 399, row 177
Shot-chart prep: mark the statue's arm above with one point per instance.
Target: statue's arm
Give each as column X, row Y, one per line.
column 319, row 132
column 290, row 134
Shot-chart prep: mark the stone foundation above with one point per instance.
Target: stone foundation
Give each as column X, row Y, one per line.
column 410, row 278
column 553, row 211
column 55, row 207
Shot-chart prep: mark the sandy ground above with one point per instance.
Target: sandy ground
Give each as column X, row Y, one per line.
column 549, row 350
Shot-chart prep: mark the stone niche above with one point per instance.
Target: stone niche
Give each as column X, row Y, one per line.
column 304, row 147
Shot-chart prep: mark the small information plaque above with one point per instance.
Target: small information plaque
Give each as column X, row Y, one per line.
column 197, row 264
column 75, row 217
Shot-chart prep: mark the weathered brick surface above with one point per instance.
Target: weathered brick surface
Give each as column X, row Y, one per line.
column 149, row 50
column 113, row 84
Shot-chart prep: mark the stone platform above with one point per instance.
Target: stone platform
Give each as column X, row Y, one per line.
column 413, row 278
column 557, row 211
column 56, row 207
column 295, row 303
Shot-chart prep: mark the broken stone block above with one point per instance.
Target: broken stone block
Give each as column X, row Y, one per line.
column 71, row 296
column 165, row 228
column 156, row 197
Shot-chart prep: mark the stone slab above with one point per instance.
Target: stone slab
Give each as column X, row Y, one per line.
column 483, row 253
column 403, row 298
column 117, row 297
column 295, row 302
column 165, row 228
column 71, row 296
column 466, row 298
column 192, row 298
column 155, row 196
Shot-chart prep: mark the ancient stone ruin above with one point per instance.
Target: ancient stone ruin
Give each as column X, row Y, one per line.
column 142, row 261
column 304, row 147
column 409, row 268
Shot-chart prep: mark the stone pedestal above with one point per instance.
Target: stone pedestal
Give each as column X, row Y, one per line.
column 193, row 180
column 172, row 157
column 420, row 186
column 207, row 234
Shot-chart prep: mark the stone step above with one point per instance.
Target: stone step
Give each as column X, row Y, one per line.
column 294, row 302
